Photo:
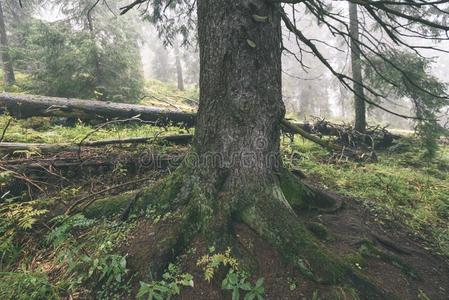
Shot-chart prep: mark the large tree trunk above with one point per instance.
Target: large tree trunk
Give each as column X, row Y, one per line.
column 179, row 73
column 359, row 100
column 8, row 71
column 240, row 106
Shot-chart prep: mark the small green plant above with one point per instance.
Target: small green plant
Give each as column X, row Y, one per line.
column 65, row 225
column 5, row 177
column 107, row 272
column 237, row 281
column 20, row 216
column 315, row 295
column 210, row 263
column 168, row 287
column 15, row 218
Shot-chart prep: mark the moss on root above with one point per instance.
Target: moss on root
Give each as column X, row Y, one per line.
column 279, row 226
column 319, row 230
column 301, row 195
column 161, row 195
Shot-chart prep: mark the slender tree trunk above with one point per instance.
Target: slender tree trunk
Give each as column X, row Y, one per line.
column 8, row 71
column 96, row 56
column 179, row 68
column 240, row 107
column 359, row 102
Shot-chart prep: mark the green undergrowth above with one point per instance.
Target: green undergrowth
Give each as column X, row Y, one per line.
column 167, row 95
column 402, row 185
column 75, row 255
column 44, row 130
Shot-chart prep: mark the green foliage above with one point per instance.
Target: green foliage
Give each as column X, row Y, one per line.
column 91, row 262
column 40, row 130
column 19, row 216
column 62, row 61
column 107, row 271
column 65, row 225
column 15, row 218
column 165, row 289
column 236, row 281
column 25, row 285
column 5, row 177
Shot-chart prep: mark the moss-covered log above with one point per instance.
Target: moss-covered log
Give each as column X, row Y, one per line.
column 25, row 106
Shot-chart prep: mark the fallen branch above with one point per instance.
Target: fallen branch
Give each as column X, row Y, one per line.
column 6, row 148
column 293, row 128
column 5, row 129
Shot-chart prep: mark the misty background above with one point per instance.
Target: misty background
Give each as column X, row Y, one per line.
column 309, row 89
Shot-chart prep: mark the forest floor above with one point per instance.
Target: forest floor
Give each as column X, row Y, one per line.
column 393, row 224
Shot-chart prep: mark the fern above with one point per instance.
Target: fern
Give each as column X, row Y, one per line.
column 211, row 263
column 19, row 216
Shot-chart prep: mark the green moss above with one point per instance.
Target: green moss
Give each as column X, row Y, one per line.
column 110, row 206
column 300, row 195
column 163, row 194
column 279, row 226
column 319, row 230
column 294, row 191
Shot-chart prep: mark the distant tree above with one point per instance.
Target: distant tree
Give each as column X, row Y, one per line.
column 8, row 71
column 90, row 53
column 179, row 72
column 359, row 101
column 160, row 64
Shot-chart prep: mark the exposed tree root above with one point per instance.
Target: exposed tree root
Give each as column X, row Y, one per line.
column 189, row 211
column 369, row 250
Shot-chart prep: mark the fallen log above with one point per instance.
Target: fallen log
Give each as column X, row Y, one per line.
column 7, row 148
column 25, row 106
column 294, row 128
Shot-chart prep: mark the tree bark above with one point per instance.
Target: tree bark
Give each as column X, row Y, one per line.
column 359, row 100
column 179, row 73
column 8, row 71
column 240, row 105
column 24, row 106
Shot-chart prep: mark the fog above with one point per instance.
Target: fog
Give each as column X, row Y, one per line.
column 309, row 89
